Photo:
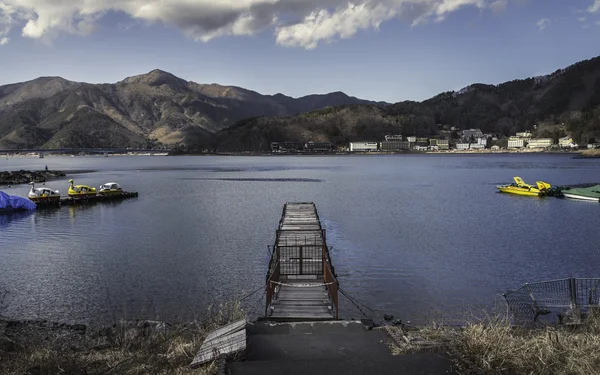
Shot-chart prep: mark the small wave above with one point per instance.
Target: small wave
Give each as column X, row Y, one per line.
column 256, row 179
column 236, row 169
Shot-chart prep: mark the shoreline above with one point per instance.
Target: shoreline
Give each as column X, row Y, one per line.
column 491, row 345
column 581, row 152
column 372, row 153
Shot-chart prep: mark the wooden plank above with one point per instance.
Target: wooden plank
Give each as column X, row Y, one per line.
column 230, row 328
column 227, row 339
column 222, row 341
column 227, row 344
column 299, row 311
column 306, row 302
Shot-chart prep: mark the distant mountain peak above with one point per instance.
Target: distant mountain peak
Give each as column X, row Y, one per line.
column 156, row 77
column 334, row 94
column 158, row 71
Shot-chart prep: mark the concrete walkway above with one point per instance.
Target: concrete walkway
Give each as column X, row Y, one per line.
column 336, row 347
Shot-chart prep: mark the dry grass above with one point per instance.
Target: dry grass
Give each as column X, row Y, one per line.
column 126, row 348
column 593, row 153
column 495, row 347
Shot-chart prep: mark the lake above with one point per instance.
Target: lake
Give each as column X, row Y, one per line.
column 412, row 235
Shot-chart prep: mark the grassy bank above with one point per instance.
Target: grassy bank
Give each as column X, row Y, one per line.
column 594, row 153
column 495, row 347
column 142, row 347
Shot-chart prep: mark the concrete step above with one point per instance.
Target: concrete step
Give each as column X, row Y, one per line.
column 297, row 317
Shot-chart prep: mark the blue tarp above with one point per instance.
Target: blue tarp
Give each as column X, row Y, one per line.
column 11, row 203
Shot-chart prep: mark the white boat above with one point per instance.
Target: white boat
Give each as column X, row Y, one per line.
column 581, row 197
column 591, row 193
column 110, row 188
column 38, row 195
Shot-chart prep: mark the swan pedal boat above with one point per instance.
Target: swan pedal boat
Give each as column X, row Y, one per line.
column 39, row 195
column 519, row 187
column 81, row 191
column 110, row 188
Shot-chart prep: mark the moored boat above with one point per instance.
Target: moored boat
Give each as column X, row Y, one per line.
column 519, row 187
column 38, row 195
column 81, row 191
column 591, row 193
column 110, row 188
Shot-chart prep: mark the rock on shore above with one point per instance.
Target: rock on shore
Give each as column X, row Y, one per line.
column 25, row 177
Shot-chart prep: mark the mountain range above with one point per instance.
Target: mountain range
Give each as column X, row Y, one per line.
column 160, row 109
column 152, row 109
column 566, row 102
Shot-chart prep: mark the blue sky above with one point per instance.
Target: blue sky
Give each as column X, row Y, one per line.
column 419, row 49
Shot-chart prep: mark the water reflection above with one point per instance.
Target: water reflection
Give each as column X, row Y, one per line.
column 12, row 218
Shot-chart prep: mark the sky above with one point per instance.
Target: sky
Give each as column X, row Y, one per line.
column 388, row 50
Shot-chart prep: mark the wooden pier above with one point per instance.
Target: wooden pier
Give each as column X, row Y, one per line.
column 301, row 283
column 68, row 201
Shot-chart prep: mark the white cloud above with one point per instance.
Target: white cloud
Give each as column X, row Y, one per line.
column 6, row 18
column 323, row 25
column 542, row 24
column 594, row 7
column 581, row 19
column 301, row 23
column 498, row 6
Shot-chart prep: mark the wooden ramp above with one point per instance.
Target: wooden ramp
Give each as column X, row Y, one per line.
column 225, row 340
column 301, row 285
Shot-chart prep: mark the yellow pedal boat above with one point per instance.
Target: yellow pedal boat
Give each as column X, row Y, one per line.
column 110, row 188
column 81, row 191
column 519, row 187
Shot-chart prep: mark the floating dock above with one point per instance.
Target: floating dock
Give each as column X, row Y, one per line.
column 68, row 201
column 301, row 283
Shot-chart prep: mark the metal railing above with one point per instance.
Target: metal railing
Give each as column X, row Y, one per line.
column 318, row 264
column 330, row 280
column 299, row 254
column 300, row 260
column 554, row 298
column 273, row 278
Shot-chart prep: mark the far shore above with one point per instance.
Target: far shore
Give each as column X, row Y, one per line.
column 368, row 153
column 593, row 153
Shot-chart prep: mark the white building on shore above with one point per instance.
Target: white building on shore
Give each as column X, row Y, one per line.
column 514, row 142
column 540, row 143
column 524, row 135
column 567, row 142
column 364, row 146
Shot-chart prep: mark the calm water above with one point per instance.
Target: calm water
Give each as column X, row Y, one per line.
column 411, row 234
